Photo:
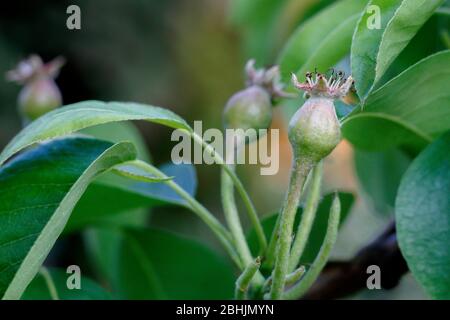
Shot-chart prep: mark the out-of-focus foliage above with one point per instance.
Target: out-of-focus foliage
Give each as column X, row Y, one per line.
column 311, row 46
column 173, row 268
column 39, row 288
column 379, row 175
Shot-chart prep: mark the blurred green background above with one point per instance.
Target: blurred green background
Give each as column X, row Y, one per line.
column 187, row 56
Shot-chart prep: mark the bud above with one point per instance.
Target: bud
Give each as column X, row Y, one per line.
column 251, row 108
column 314, row 130
column 40, row 94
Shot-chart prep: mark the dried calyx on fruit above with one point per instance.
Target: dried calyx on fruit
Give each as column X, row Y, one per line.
column 40, row 93
column 314, row 130
column 268, row 79
column 251, row 108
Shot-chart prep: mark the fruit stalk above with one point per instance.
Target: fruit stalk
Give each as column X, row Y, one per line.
column 308, row 216
column 299, row 173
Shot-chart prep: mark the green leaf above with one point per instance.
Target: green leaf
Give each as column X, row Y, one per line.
column 373, row 50
column 39, row 290
column 423, row 218
column 321, row 41
column 102, row 243
column 85, row 114
column 411, row 109
column 38, row 190
column 379, row 174
column 122, row 211
column 102, row 248
column 444, row 11
column 184, row 175
column 318, row 230
column 118, row 132
column 134, row 172
column 420, row 47
column 155, row 264
column 95, row 206
column 133, row 195
column 408, row 20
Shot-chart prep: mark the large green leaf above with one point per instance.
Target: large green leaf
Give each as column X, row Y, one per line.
column 39, row 288
column 373, row 50
column 154, row 264
column 321, row 41
column 423, row 218
column 86, row 114
column 411, row 109
column 420, row 47
column 408, row 20
column 379, row 174
column 38, row 190
column 318, row 230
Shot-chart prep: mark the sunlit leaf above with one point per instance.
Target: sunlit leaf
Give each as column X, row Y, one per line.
column 68, row 119
column 375, row 47
column 411, row 109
